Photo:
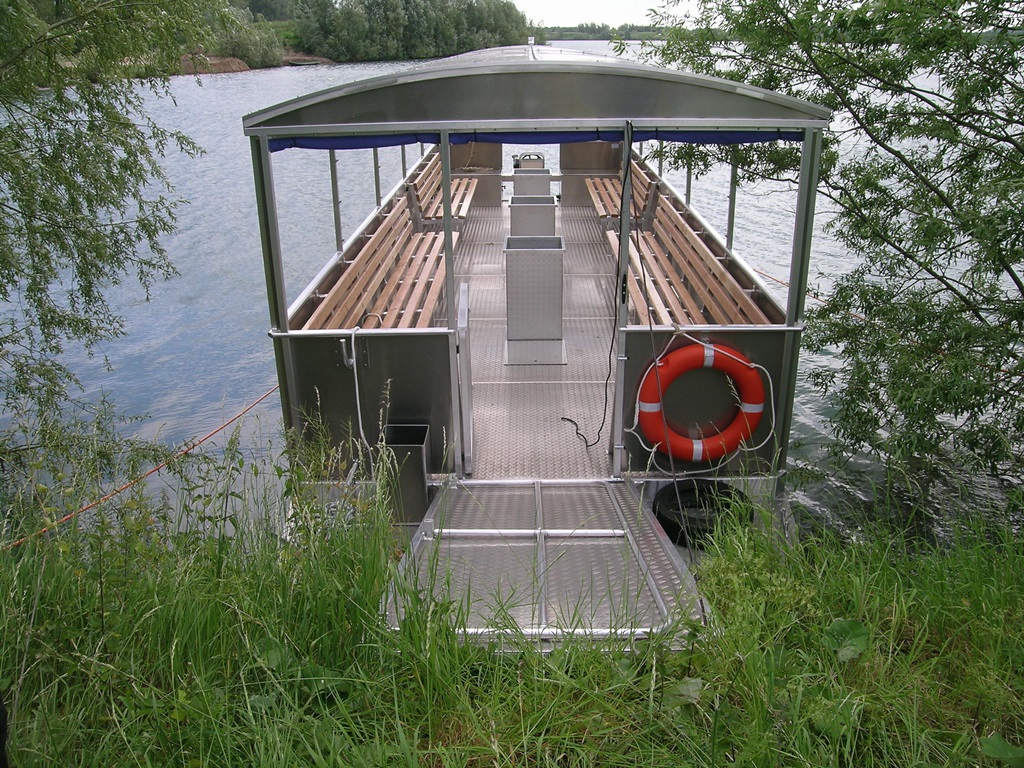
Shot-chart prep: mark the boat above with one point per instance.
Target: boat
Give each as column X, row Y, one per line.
column 561, row 342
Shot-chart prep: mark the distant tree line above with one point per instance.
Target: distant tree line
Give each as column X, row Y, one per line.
column 605, row 32
column 379, row 30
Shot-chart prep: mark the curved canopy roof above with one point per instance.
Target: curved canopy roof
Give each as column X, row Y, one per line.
column 534, row 94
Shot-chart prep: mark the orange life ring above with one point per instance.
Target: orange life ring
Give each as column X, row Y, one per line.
column 690, row 358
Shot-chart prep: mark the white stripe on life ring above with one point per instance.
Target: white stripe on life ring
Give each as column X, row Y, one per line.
column 698, row 450
column 709, row 356
column 650, row 407
column 752, row 407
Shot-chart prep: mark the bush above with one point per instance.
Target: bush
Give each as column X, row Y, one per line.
column 247, row 38
column 287, row 32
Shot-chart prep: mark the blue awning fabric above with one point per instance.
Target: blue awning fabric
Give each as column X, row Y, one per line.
column 532, row 137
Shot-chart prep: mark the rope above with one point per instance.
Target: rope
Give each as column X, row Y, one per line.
column 809, row 295
column 132, row 483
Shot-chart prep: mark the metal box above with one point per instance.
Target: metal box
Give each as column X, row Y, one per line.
column 532, row 215
column 410, row 444
column 531, row 181
column 533, row 295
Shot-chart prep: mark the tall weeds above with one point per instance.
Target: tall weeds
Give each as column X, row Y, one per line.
column 178, row 628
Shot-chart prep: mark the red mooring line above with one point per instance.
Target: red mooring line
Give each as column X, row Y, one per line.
column 140, row 478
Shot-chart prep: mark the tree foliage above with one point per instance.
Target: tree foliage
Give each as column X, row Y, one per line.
column 593, row 31
column 83, row 199
column 380, row 30
column 246, row 37
column 271, row 10
column 924, row 166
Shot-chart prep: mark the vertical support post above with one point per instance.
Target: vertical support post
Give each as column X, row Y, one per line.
column 465, row 379
column 273, row 270
column 448, row 223
column 803, row 229
column 339, row 236
column 622, row 303
column 689, row 181
column 733, row 184
column 376, row 174
column 449, row 293
column 661, row 159
column 405, row 170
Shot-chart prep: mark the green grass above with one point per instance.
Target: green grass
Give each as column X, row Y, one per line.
column 143, row 638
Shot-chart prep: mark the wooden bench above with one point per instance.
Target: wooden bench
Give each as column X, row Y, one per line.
column 606, row 193
column 394, row 279
column 675, row 279
column 425, row 192
column 654, row 300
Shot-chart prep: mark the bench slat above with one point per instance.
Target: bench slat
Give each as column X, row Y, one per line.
column 419, row 307
column 364, row 260
column 693, row 276
column 433, row 295
column 395, row 280
column 405, row 271
column 685, row 307
column 418, row 265
column 646, row 294
column 673, row 275
column 361, row 291
column 606, row 191
column 604, row 195
column 721, row 289
column 426, row 188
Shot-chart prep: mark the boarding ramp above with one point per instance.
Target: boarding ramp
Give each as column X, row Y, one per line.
column 545, row 560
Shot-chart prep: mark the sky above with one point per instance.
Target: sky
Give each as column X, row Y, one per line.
column 569, row 13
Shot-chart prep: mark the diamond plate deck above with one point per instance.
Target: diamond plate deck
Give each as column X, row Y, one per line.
column 548, row 559
column 519, row 411
column 542, row 540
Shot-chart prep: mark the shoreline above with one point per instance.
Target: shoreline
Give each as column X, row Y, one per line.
column 194, row 64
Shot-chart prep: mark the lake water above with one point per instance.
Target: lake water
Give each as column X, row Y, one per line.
column 197, row 352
